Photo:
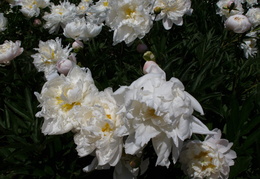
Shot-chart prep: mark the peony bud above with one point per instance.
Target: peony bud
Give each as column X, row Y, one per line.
column 77, row 45
column 149, row 56
column 151, row 67
column 157, row 10
column 64, row 66
column 238, row 23
column 37, row 22
column 141, row 48
column 231, row 5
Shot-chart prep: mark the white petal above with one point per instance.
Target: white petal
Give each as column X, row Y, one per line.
column 199, row 128
column 162, row 146
column 195, row 104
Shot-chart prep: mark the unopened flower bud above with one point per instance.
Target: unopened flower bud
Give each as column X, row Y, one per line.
column 157, row 10
column 64, row 66
column 141, row 48
column 238, row 23
column 135, row 162
column 77, row 45
column 231, row 5
column 147, row 65
column 149, row 56
column 37, row 22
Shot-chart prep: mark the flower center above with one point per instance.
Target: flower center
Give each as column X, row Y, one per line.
column 106, row 128
column 66, row 107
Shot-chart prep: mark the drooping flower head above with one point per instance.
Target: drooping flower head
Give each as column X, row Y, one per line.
column 63, row 98
column 80, row 29
column 129, row 19
column 210, row 158
column 8, row 51
column 158, row 110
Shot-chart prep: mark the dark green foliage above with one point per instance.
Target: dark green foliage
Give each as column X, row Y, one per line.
column 201, row 53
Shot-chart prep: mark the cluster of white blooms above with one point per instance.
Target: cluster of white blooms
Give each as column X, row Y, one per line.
column 210, row 158
column 115, row 127
column 128, row 19
column 240, row 20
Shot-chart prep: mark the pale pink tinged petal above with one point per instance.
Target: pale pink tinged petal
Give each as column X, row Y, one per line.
column 215, row 136
column 231, row 154
column 199, row 128
column 195, row 104
column 224, row 145
column 162, row 146
column 152, row 67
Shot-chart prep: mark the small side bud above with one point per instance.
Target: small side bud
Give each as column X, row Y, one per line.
column 149, row 56
column 157, row 10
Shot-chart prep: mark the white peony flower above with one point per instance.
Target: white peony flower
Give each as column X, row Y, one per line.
column 49, row 53
column 31, row 8
column 129, row 19
column 60, row 15
column 63, row 99
column 8, row 51
column 238, row 23
column 98, row 11
column 158, row 110
column 208, row 159
column 249, row 46
column 96, row 132
column 79, row 29
column 223, row 8
column 253, row 15
column 172, row 11
column 3, row 22
column 83, row 6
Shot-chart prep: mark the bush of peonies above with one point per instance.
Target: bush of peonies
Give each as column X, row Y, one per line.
column 116, row 127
